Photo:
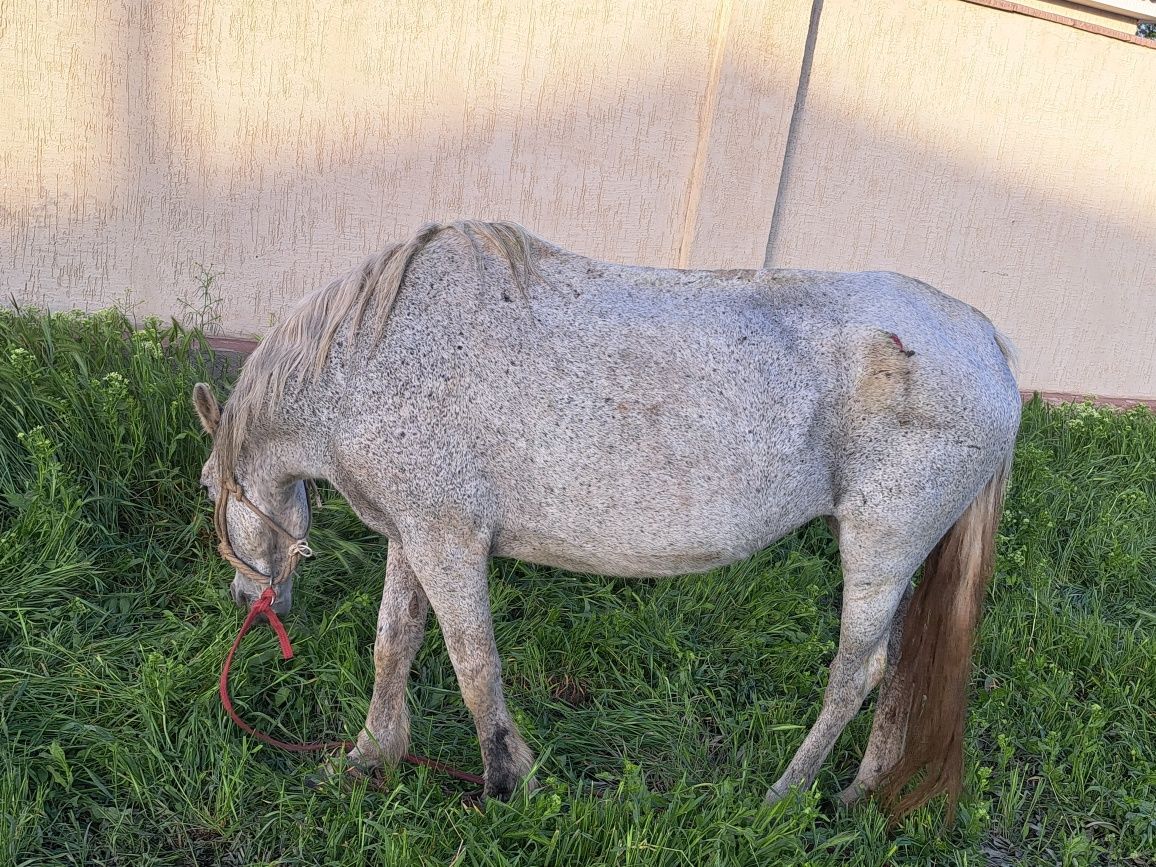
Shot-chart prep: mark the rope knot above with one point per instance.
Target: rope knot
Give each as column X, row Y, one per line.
column 264, row 606
column 301, row 549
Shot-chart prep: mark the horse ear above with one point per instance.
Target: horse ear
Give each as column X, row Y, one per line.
column 205, row 403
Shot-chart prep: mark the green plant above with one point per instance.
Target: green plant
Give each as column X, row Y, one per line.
column 202, row 309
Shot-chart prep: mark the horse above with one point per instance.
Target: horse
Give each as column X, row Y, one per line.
column 477, row 392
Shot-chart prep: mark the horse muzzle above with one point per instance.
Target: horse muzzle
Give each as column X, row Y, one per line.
column 245, row 593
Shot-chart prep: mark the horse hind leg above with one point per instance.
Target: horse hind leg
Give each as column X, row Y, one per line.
column 917, row 733
column 875, row 578
column 885, row 745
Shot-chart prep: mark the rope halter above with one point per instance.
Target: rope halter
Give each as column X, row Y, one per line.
column 298, row 548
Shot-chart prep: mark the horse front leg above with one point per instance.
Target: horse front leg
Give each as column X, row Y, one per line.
column 401, row 623
column 453, row 574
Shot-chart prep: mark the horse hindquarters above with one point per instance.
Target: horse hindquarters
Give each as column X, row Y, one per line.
column 919, row 719
column 929, row 685
column 917, row 478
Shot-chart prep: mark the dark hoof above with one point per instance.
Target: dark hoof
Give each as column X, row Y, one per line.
column 510, row 785
column 336, row 773
column 501, row 787
column 506, row 759
column 474, row 801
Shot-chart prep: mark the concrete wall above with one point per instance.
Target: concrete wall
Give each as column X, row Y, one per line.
column 280, row 142
column 998, row 156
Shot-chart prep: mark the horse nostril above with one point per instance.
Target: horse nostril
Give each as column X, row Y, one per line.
column 281, row 604
column 239, row 596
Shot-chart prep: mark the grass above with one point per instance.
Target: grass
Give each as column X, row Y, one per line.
column 661, row 710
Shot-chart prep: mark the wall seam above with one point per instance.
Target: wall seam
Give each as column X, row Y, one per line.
column 705, row 128
column 793, row 129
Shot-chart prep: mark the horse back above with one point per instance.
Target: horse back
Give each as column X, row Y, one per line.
column 641, row 421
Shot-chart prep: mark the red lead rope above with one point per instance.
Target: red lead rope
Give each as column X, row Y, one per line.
column 264, row 605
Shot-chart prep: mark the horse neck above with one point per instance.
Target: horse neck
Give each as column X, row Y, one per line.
column 290, row 447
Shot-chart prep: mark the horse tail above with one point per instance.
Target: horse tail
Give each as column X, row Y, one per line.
column 935, row 658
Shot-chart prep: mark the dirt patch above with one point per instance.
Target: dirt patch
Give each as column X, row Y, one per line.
column 568, row 690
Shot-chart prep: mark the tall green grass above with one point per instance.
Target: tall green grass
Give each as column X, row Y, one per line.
column 661, row 710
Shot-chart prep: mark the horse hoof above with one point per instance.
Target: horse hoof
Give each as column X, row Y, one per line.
column 335, row 773
column 318, row 780
column 530, row 784
column 781, row 790
column 851, row 795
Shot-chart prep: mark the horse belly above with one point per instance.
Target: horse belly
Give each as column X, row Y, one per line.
column 649, row 557
column 660, row 434
column 655, row 542
column 653, row 512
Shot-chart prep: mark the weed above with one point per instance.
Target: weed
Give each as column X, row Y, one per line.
column 202, row 309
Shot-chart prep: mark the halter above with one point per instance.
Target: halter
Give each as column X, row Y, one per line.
column 298, row 548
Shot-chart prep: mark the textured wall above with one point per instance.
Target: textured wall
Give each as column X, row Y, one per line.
column 1113, row 20
column 1004, row 159
column 281, row 141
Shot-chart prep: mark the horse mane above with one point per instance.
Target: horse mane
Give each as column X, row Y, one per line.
column 300, row 346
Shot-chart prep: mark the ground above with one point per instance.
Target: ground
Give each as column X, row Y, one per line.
column 661, row 710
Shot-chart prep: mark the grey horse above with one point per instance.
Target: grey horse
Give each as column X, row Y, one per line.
column 477, row 391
